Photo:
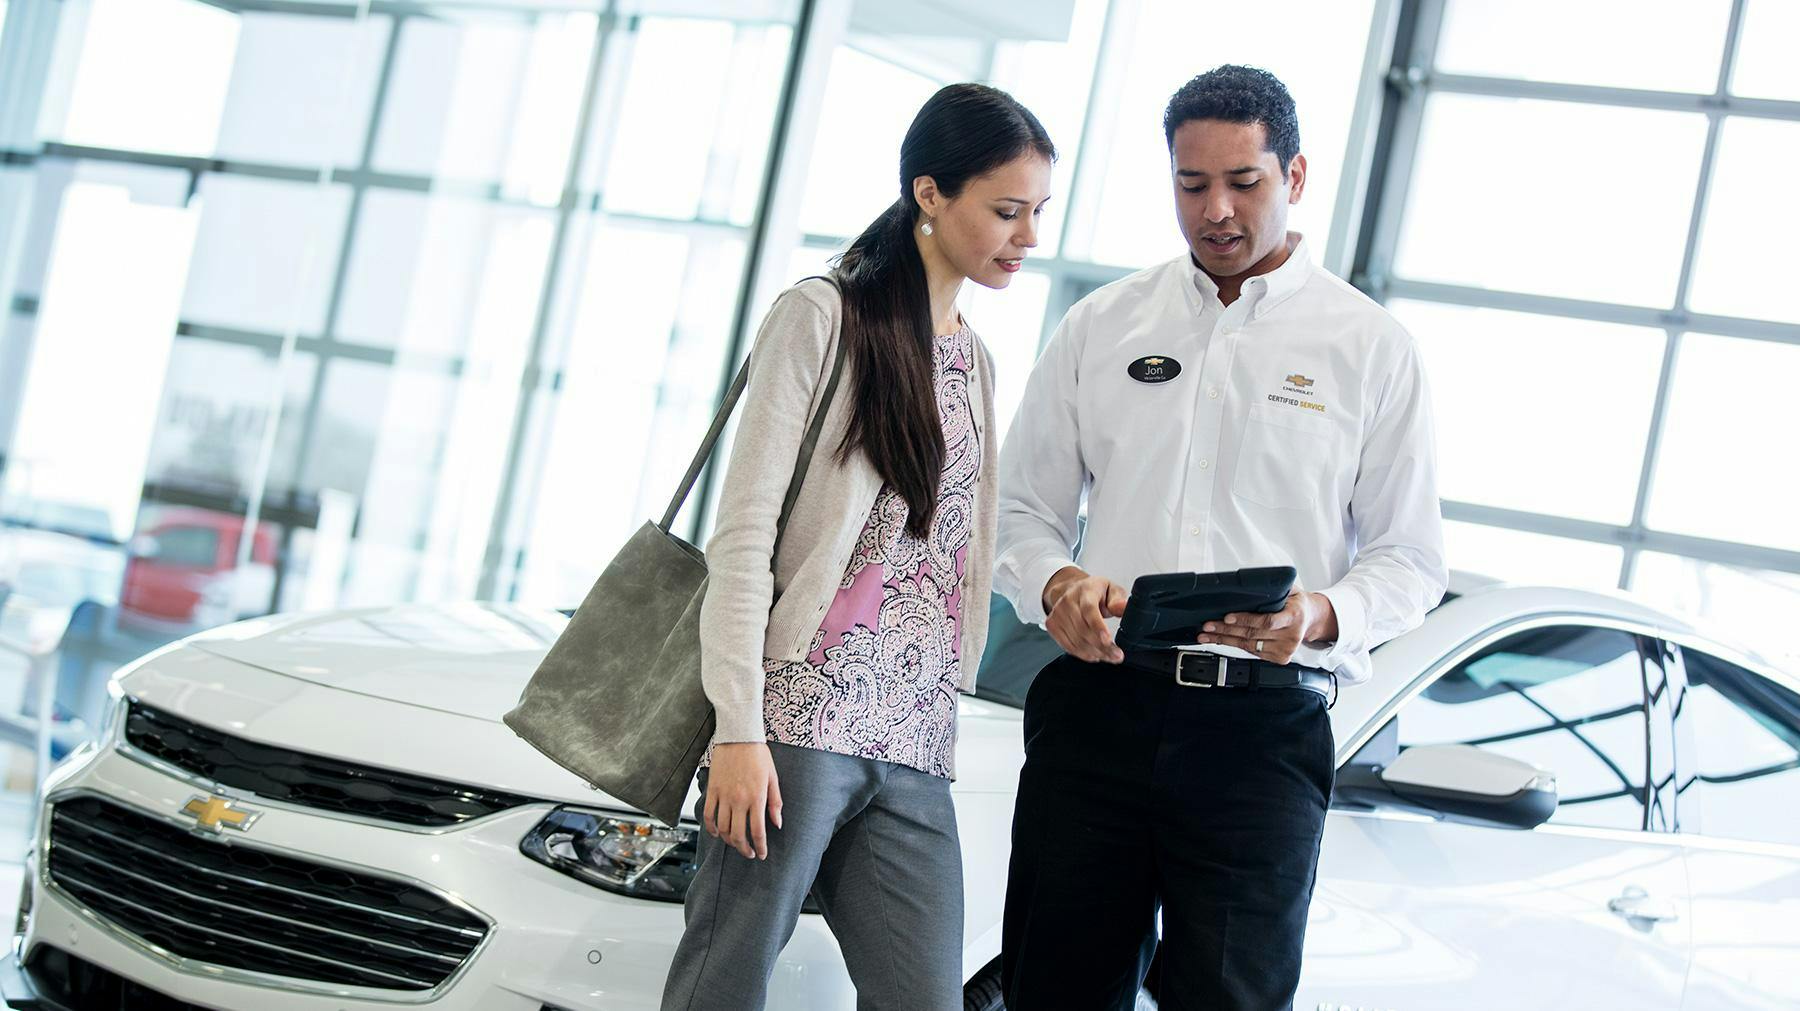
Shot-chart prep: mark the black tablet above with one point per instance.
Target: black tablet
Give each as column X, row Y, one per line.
column 1167, row 609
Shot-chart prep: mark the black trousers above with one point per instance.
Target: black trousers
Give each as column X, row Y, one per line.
column 1140, row 795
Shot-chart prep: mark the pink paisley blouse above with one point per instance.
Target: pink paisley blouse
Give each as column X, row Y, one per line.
column 881, row 678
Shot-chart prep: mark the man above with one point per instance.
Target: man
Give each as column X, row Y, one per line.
column 1235, row 407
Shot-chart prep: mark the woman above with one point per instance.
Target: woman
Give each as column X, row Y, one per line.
column 835, row 676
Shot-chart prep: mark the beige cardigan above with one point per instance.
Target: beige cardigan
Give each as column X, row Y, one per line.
column 750, row 613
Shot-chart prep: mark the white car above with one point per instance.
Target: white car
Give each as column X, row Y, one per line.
column 1546, row 799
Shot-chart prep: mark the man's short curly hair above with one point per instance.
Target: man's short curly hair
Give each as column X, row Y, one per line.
column 1238, row 94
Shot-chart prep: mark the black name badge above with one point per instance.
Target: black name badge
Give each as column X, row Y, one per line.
column 1154, row 369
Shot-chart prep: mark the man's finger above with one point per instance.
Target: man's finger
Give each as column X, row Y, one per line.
column 1252, row 620
column 1116, row 599
column 1093, row 622
column 1247, row 643
column 1098, row 638
column 710, row 813
column 775, row 800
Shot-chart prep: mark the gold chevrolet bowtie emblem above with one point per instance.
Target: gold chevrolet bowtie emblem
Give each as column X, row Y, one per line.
column 1299, row 380
column 1153, row 361
column 218, row 813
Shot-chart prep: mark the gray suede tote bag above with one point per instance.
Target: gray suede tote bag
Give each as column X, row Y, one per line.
column 617, row 700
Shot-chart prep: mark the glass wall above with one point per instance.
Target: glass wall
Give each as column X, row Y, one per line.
column 314, row 305
column 1582, row 240
column 360, row 303
column 324, row 304
column 1100, row 93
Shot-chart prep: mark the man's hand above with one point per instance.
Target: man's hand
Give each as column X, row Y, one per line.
column 1078, row 605
column 1308, row 617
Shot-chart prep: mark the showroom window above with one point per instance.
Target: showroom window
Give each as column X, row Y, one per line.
column 1569, row 699
column 436, row 294
column 1581, row 241
column 1101, row 95
column 1745, row 729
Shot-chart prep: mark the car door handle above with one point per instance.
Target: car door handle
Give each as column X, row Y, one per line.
column 1637, row 905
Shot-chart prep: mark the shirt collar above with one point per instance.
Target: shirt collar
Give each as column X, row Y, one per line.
column 1265, row 290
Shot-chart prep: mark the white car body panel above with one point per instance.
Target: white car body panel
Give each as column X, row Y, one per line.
column 1409, row 912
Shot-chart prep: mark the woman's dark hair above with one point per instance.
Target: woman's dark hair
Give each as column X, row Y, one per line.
column 1237, row 94
column 962, row 132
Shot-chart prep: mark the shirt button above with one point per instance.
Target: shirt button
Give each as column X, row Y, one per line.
column 1196, row 531
column 1212, row 393
column 1204, row 465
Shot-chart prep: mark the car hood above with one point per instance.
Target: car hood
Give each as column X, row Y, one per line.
column 423, row 687
column 467, row 658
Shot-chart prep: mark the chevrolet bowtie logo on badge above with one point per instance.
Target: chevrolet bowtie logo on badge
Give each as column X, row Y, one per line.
column 219, row 813
column 1299, row 380
column 1154, row 369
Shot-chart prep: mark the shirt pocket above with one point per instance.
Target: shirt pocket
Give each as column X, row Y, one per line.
column 1285, row 459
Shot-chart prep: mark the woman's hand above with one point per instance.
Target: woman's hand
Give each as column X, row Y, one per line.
column 741, row 785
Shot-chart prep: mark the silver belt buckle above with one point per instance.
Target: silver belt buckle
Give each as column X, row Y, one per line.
column 1181, row 666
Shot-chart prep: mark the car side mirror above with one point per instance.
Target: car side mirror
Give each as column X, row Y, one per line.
column 1458, row 782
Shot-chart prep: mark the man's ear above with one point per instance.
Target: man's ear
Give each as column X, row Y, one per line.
column 1296, row 178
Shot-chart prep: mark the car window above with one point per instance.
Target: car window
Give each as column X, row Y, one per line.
column 196, row 546
column 1746, row 734
column 1569, row 699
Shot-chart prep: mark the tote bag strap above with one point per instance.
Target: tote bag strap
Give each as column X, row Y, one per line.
column 807, row 445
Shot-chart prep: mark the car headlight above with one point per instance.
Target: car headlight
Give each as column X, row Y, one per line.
column 640, row 858
column 629, row 856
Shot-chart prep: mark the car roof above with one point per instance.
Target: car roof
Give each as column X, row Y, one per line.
column 1477, row 602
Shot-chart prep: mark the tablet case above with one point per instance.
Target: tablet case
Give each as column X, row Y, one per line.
column 1167, row 609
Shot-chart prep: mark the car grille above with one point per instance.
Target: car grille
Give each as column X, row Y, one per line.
column 296, row 777
column 228, row 904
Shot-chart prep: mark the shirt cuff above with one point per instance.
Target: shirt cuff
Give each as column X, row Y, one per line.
column 1031, row 589
column 1352, row 625
column 739, row 723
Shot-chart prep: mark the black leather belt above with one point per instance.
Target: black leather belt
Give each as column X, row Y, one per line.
column 1193, row 669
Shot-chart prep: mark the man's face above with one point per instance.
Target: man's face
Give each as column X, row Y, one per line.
column 1230, row 196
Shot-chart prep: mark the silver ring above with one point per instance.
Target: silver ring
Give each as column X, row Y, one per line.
column 1259, row 643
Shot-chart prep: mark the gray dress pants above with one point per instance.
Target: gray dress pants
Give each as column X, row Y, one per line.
column 876, row 842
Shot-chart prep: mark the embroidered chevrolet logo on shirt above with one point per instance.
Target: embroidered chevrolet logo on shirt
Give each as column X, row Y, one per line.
column 1299, row 393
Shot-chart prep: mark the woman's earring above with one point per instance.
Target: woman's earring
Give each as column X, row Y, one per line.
column 926, row 227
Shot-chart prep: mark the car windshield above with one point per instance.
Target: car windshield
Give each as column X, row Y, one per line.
column 195, row 546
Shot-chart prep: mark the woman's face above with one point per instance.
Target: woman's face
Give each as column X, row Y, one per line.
column 985, row 231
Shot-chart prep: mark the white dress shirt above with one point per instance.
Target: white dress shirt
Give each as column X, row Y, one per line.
column 1296, row 431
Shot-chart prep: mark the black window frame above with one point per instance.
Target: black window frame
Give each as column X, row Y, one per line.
column 1693, row 747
